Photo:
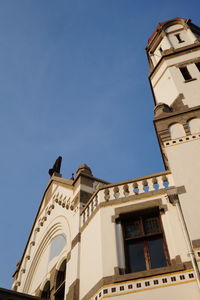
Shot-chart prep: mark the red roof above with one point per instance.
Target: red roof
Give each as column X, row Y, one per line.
column 160, row 25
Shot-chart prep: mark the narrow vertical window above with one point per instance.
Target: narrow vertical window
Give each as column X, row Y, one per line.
column 161, row 50
column 198, row 65
column 185, row 73
column 60, row 282
column 178, row 36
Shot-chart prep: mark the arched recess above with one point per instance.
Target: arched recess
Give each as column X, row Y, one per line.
column 194, row 125
column 60, row 281
column 176, row 130
column 46, row 292
column 41, row 263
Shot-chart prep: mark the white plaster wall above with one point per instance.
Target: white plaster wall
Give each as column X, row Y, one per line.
column 176, row 243
column 109, row 251
column 168, row 81
column 185, row 166
column 165, row 89
column 91, row 267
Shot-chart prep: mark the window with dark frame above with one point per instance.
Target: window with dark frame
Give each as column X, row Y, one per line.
column 198, row 65
column 144, row 242
column 178, row 36
column 46, row 291
column 185, row 73
column 60, row 282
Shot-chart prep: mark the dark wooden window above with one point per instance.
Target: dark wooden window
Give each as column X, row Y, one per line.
column 178, row 36
column 60, row 282
column 46, row 291
column 198, row 65
column 144, row 242
column 185, row 73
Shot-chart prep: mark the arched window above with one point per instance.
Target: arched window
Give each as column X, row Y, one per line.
column 176, row 131
column 60, row 282
column 46, row 291
column 194, row 125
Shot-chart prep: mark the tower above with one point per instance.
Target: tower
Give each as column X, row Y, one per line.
column 174, row 56
column 92, row 239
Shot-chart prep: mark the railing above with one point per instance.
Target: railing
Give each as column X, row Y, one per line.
column 127, row 188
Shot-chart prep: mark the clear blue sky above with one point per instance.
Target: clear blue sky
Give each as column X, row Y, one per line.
column 73, row 82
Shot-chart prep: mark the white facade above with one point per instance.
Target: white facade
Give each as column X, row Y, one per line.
column 137, row 238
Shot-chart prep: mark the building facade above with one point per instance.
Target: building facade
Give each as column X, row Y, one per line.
column 140, row 238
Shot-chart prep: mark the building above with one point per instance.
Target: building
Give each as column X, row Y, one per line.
column 136, row 239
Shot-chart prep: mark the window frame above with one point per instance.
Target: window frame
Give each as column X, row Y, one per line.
column 179, row 39
column 144, row 238
column 185, row 73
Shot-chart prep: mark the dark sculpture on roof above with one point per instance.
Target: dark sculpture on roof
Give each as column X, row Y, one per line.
column 56, row 166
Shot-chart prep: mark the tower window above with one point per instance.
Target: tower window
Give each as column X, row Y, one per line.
column 160, row 49
column 198, row 65
column 185, row 73
column 143, row 241
column 178, row 36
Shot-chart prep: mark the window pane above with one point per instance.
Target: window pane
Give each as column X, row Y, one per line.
column 135, row 257
column 132, row 229
column 156, row 251
column 151, row 225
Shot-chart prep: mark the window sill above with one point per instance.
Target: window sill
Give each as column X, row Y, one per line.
column 188, row 80
column 153, row 272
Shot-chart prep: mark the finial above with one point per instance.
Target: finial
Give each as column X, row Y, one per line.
column 56, row 167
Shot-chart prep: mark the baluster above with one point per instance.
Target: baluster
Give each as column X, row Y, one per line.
column 160, row 182
column 112, row 193
column 170, row 179
column 140, row 187
column 107, row 194
column 151, row 185
column 121, row 191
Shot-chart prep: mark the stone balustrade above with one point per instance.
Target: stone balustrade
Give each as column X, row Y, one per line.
column 125, row 189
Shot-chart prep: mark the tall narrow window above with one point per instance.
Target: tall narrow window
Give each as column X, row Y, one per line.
column 60, row 282
column 144, row 243
column 161, row 50
column 46, row 291
column 185, row 73
column 178, row 36
column 198, row 65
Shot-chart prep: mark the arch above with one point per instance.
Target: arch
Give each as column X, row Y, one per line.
column 45, row 293
column 194, row 125
column 176, row 130
column 60, row 281
column 40, row 264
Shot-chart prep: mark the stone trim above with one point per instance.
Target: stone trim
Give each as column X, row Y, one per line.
column 149, row 273
column 73, row 292
column 138, row 207
column 126, row 279
column 174, row 52
column 76, row 240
